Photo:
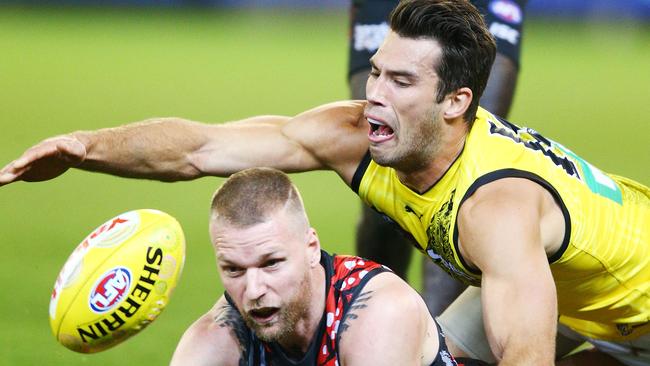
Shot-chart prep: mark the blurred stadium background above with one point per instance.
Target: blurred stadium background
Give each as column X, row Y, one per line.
column 66, row 66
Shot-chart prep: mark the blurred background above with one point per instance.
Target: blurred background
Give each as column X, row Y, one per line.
column 77, row 65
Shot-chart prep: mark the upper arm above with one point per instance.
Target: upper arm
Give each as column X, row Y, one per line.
column 210, row 341
column 500, row 233
column 332, row 136
column 388, row 324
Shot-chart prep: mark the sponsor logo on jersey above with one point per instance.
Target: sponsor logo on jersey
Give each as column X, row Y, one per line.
column 368, row 37
column 110, row 289
column 507, row 10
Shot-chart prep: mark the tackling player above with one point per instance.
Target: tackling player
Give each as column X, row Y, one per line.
column 544, row 233
column 377, row 239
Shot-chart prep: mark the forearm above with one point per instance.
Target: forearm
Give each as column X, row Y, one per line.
column 531, row 344
column 537, row 352
column 154, row 149
column 522, row 321
column 171, row 149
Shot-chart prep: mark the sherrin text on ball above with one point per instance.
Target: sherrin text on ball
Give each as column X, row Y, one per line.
column 117, row 281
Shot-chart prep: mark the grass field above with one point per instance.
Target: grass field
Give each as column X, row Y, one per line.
column 585, row 85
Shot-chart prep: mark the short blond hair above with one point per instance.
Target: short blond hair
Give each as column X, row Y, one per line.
column 251, row 196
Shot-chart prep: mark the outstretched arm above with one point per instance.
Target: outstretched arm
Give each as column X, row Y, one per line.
column 500, row 232
column 332, row 136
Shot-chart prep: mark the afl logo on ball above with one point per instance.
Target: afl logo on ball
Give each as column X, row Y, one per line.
column 110, row 289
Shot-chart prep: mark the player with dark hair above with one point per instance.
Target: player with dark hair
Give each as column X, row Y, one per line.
column 545, row 234
column 377, row 239
column 287, row 302
column 504, row 19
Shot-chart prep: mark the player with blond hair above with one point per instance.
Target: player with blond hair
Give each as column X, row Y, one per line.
column 545, row 234
column 287, row 302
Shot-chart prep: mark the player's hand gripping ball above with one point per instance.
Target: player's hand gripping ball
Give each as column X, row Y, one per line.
column 117, row 280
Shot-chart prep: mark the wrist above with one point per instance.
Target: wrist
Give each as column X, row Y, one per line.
column 80, row 144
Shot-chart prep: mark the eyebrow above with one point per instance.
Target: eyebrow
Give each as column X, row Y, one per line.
column 408, row 74
column 262, row 258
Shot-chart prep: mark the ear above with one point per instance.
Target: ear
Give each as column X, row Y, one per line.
column 313, row 247
column 458, row 102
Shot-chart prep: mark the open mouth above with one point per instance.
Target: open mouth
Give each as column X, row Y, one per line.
column 379, row 131
column 263, row 315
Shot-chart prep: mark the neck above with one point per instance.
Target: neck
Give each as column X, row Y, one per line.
column 451, row 145
column 305, row 329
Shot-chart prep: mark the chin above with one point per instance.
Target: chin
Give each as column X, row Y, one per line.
column 381, row 159
column 269, row 334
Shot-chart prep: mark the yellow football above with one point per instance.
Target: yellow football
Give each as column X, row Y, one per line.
column 117, row 280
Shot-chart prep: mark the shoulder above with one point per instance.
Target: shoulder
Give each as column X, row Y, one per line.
column 507, row 212
column 502, row 192
column 341, row 116
column 346, row 110
column 335, row 134
column 378, row 289
column 392, row 296
column 387, row 323
column 214, row 339
column 504, row 198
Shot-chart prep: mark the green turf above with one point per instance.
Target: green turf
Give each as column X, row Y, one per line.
column 62, row 70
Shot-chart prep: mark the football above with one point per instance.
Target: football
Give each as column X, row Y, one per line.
column 117, row 281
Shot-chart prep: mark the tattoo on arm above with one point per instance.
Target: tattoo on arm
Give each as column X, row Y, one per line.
column 227, row 316
column 357, row 305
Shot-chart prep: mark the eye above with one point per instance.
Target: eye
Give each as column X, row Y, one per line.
column 374, row 73
column 402, row 83
column 272, row 263
column 232, row 271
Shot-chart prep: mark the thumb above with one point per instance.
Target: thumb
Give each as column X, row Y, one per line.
column 72, row 151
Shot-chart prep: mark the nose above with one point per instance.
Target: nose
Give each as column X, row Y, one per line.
column 255, row 285
column 375, row 91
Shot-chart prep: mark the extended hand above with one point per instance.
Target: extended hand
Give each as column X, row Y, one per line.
column 46, row 160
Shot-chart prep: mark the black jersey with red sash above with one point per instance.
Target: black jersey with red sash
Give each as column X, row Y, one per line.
column 345, row 276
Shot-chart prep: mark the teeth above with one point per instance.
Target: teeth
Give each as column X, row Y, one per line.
column 374, row 122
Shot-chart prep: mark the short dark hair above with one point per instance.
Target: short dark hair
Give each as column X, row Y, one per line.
column 468, row 48
column 250, row 196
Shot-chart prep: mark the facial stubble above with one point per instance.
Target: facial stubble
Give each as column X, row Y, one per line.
column 417, row 148
column 291, row 312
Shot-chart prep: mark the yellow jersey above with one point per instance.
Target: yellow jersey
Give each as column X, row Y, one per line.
column 601, row 271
